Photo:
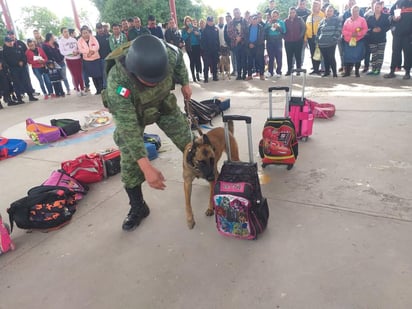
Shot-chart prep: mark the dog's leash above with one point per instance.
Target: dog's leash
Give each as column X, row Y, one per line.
column 192, row 118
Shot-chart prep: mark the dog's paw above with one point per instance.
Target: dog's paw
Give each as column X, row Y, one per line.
column 209, row 212
column 191, row 224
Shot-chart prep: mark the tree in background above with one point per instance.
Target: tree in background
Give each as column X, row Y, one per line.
column 41, row 18
column 282, row 6
column 114, row 10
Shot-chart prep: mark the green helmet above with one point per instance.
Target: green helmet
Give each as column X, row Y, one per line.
column 147, row 59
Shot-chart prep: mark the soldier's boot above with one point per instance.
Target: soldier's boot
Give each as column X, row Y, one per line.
column 138, row 208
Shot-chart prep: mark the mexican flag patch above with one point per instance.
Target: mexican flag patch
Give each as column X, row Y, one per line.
column 124, row 92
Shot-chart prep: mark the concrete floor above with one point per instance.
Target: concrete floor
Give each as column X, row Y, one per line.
column 338, row 236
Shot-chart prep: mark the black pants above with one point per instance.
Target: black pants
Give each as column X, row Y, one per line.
column 294, row 49
column 58, row 88
column 399, row 44
column 21, row 81
column 211, row 60
column 255, row 60
column 328, row 54
column 194, row 57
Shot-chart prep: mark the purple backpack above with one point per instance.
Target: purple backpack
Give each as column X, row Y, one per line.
column 60, row 178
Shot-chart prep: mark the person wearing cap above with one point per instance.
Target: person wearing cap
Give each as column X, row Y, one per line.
column 141, row 76
column 22, row 48
column 15, row 58
column 153, row 28
column 209, row 43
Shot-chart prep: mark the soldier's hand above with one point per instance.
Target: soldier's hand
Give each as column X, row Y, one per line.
column 187, row 92
column 155, row 178
column 152, row 175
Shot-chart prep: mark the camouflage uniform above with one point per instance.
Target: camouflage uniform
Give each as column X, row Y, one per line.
column 144, row 106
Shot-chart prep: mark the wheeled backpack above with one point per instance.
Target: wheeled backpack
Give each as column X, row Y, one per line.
column 278, row 144
column 241, row 211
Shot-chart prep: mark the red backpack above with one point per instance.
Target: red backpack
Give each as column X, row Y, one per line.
column 87, row 168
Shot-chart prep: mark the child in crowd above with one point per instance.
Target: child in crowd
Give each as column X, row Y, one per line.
column 55, row 74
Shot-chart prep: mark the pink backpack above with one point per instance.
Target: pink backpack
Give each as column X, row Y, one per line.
column 6, row 244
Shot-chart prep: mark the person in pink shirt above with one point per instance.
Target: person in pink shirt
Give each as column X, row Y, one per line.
column 89, row 49
column 353, row 31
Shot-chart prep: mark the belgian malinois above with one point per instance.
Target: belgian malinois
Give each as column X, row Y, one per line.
column 200, row 159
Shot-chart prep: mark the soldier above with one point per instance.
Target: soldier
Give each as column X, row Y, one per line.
column 141, row 76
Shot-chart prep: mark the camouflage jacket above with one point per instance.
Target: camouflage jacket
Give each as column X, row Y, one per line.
column 134, row 105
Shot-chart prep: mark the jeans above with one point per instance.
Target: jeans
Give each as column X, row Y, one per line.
column 43, row 79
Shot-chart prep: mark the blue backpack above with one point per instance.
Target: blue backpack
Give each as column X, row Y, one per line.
column 11, row 147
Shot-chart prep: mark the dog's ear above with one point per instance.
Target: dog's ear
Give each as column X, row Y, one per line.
column 206, row 140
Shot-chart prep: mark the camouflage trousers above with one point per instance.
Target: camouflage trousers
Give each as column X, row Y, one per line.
column 176, row 127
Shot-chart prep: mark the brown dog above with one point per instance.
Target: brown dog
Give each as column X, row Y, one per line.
column 200, row 159
column 224, row 62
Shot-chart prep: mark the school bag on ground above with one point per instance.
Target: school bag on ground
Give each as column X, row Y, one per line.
column 11, row 147
column 60, row 178
column 45, row 208
column 300, row 109
column 153, row 139
column 6, row 244
column 111, row 161
column 68, row 126
column 240, row 209
column 278, row 144
column 42, row 133
column 87, row 168
column 203, row 111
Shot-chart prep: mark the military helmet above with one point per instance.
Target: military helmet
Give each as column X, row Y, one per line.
column 147, row 59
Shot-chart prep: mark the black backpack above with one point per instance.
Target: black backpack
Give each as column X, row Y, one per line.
column 204, row 111
column 69, row 126
column 44, row 207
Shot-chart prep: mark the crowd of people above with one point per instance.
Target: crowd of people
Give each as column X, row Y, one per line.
column 255, row 41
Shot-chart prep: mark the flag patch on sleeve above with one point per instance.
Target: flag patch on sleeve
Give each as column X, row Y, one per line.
column 122, row 91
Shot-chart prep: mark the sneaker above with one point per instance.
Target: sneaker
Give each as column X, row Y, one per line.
column 287, row 73
column 68, row 92
column 389, row 75
column 79, row 94
column 277, row 75
column 249, row 78
column 83, row 93
column 53, row 95
column 407, row 76
column 33, row 99
column 36, row 94
column 46, row 97
column 267, row 75
column 371, row 73
column 376, row 72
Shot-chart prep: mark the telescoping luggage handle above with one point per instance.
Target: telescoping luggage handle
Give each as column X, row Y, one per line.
column 286, row 89
column 248, row 121
column 303, row 81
